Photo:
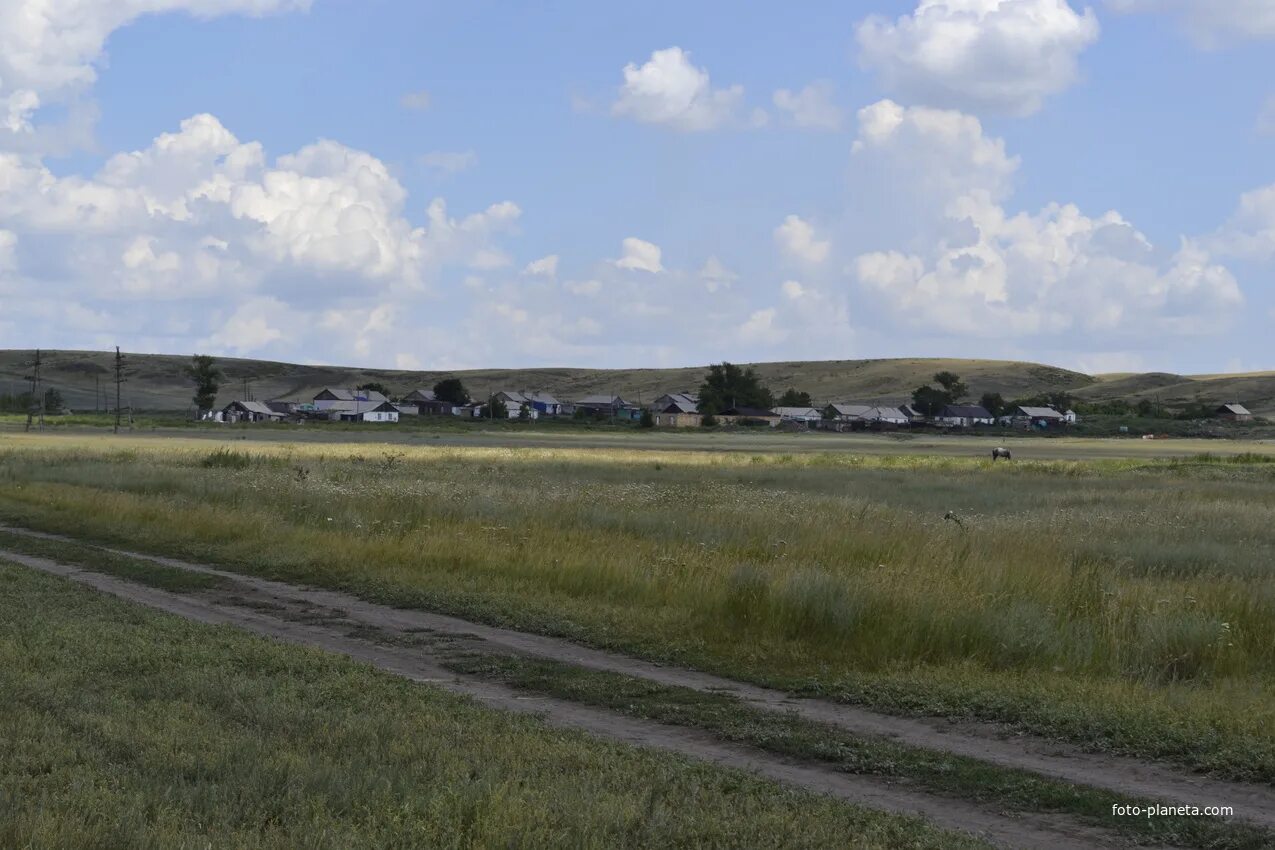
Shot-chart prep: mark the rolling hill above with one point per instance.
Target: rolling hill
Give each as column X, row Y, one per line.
column 156, row 381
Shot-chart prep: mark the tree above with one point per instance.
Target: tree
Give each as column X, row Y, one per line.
column 376, row 387
column 53, row 400
column 451, row 390
column 495, row 409
column 647, row 420
column 727, row 385
column 994, row 404
column 709, row 421
column 929, row 400
column 792, row 398
column 203, row 370
column 952, row 385
column 524, row 412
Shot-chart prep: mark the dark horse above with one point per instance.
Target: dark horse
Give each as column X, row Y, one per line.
column 999, row 453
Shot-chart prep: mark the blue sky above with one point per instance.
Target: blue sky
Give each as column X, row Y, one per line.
column 445, row 185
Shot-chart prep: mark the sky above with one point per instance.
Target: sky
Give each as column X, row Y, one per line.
column 430, row 185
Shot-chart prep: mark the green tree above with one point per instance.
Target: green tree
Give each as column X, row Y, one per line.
column 647, row 420
column 495, row 409
column 524, row 412
column 53, row 402
column 376, row 387
column 727, row 385
column 203, row 370
column 451, row 390
column 793, row 398
column 709, row 421
column 928, row 400
column 994, row 404
column 952, row 385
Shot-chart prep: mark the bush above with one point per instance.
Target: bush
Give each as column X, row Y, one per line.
column 647, row 420
column 709, row 421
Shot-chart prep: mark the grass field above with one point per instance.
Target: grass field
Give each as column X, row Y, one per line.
column 1125, row 603
column 128, row 728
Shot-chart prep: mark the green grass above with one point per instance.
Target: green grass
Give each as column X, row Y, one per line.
column 129, row 728
column 100, row 561
column 1125, row 603
column 733, row 720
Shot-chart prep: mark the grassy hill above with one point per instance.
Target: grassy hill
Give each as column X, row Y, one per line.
column 156, row 381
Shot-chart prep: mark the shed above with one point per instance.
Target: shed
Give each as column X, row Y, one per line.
column 1233, row 413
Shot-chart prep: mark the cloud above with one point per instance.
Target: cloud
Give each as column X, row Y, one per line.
column 668, row 90
column 812, row 107
column 792, row 290
column 716, row 276
column 981, row 271
column 1266, row 117
column 640, row 255
column 587, row 288
column 997, row 55
column 1210, row 23
column 48, row 51
column 449, row 162
column 760, row 328
column 796, row 238
column 417, row 101
column 1250, row 232
column 544, row 267
column 212, row 237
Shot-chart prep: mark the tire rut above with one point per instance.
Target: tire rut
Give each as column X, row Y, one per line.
column 1163, row 783
column 411, row 663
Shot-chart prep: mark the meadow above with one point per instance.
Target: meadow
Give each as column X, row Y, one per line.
column 1125, row 602
column 129, row 728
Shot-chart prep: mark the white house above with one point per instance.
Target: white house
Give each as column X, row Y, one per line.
column 362, row 411
column 809, row 416
column 330, row 397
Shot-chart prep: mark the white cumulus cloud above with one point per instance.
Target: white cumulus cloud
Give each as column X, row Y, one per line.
column 1211, row 23
column 669, row 90
column 796, row 238
column 812, row 107
column 1000, row 55
column 989, row 272
column 640, row 255
column 545, row 266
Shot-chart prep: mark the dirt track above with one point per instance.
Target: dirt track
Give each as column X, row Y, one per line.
column 324, row 619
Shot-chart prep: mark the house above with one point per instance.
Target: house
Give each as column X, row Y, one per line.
column 1070, row 417
column 912, row 412
column 608, row 406
column 891, row 416
column 362, row 411
column 808, row 416
column 419, row 395
column 847, row 413
column 537, row 402
column 329, row 397
column 250, row 411
column 964, row 415
column 1038, row 417
column 1233, row 413
column 677, row 410
column 434, row 407
column 406, row 409
column 736, row 415
column 686, row 401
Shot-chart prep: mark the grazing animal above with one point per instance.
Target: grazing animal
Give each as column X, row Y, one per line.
column 999, row 453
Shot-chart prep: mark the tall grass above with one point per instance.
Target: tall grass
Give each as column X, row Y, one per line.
column 1115, row 595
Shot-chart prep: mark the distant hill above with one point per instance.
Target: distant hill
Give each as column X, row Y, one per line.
column 156, row 381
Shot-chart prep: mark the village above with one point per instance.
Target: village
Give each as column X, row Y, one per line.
column 671, row 410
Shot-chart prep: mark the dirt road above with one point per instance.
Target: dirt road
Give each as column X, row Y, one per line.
column 331, row 620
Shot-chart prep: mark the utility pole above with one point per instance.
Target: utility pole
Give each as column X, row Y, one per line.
column 36, row 404
column 119, row 379
column 97, row 392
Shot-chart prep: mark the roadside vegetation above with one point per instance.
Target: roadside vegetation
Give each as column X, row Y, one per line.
column 129, row 728
column 1124, row 604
